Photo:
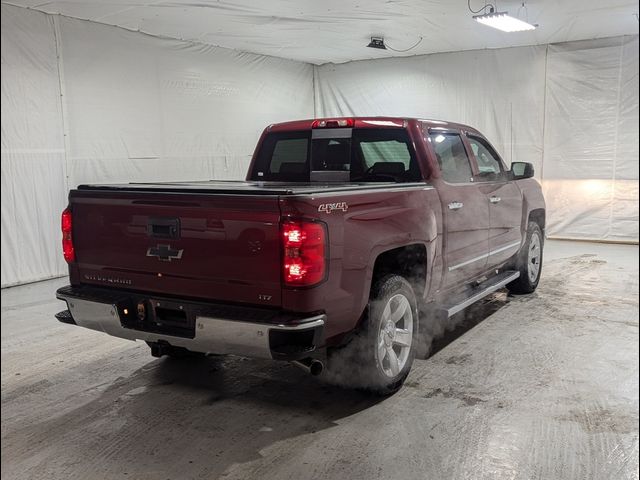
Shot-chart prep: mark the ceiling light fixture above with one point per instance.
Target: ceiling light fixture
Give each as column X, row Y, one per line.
column 502, row 20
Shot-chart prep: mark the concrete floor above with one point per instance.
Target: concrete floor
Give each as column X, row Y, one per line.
column 540, row 386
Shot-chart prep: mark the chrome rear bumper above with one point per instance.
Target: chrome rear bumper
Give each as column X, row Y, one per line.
column 211, row 333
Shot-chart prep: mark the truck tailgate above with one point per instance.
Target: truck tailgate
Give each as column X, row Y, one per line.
column 217, row 247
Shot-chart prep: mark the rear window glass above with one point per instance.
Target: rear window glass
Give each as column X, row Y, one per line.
column 288, row 151
column 386, row 151
column 364, row 155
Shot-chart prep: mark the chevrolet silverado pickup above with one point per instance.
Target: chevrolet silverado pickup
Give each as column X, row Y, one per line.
column 348, row 239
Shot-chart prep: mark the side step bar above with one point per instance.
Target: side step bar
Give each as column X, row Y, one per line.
column 481, row 291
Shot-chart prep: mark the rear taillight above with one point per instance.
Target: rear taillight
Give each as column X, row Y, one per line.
column 67, row 238
column 304, row 256
column 333, row 123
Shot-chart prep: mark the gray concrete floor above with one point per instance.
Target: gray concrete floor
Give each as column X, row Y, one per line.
column 539, row 386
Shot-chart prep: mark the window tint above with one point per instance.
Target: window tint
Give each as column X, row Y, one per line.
column 488, row 162
column 385, row 151
column 452, row 157
column 331, row 154
column 283, row 156
column 358, row 155
column 384, row 155
column 287, row 152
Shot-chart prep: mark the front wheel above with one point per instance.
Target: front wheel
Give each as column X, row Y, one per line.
column 380, row 356
column 529, row 262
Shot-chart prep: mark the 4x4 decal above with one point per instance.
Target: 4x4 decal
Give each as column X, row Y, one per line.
column 330, row 207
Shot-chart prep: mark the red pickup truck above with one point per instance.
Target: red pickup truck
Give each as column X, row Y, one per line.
column 348, row 239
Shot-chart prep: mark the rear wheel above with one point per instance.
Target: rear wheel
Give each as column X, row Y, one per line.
column 380, row 356
column 529, row 262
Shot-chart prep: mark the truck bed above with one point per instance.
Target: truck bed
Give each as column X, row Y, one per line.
column 215, row 240
column 234, row 187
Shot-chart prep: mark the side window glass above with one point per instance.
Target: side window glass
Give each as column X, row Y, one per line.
column 488, row 163
column 452, row 157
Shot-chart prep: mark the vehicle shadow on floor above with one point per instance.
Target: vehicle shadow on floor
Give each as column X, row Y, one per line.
column 204, row 416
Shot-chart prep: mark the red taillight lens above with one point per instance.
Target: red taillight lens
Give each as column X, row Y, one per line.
column 67, row 239
column 334, row 123
column 304, row 245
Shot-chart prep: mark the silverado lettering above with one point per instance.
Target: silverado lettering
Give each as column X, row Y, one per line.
column 100, row 278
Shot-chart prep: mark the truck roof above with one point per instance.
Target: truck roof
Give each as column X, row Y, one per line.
column 369, row 122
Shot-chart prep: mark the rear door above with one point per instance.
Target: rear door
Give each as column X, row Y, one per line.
column 465, row 207
column 216, row 247
column 505, row 201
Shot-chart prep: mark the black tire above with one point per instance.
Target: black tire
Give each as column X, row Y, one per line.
column 526, row 263
column 366, row 362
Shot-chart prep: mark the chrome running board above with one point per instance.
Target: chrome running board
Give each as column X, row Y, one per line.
column 481, row 291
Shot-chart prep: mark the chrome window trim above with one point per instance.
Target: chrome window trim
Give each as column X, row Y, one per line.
column 486, row 255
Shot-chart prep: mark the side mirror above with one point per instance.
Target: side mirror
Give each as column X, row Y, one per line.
column 521, row 170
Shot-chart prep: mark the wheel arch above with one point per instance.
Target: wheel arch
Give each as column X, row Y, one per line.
column 408, row 261
column 538, row 216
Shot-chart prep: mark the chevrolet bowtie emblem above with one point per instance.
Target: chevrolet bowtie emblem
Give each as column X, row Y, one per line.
column 165, row 253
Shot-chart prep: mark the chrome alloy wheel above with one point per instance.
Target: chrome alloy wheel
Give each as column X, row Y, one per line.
column 395, row 335
column 534, row 258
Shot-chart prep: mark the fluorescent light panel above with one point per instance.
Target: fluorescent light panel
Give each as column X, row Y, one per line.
column 503, row 21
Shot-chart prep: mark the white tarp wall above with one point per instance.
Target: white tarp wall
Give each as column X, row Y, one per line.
column 33, row 156
column 134, row 108
column 570, row 109
column 590, row 174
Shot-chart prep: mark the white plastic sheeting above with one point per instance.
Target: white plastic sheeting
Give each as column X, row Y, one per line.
column 590, row 174
column 501, row 92
column 321, row 31
column 570, row 109
column 135, row 108
column 143, row 108
column 33, row 156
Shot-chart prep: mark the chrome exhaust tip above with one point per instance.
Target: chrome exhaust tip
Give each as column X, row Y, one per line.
column 310, row 365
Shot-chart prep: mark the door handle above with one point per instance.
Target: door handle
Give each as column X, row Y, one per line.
column 456, row 205
column 495, row 199
column 162, row 227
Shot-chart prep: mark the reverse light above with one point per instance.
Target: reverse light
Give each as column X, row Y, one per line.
column 67, row 236
column 337, row 123
column 503, row 21
column 304, row 253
